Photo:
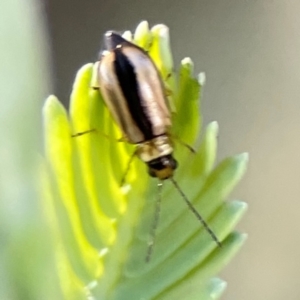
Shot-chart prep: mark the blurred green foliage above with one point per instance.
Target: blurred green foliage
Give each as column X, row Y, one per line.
column 27, row 262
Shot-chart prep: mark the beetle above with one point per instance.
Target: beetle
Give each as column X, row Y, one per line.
column 133, row 91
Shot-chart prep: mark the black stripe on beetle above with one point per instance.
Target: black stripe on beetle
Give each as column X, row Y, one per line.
column 128, row 82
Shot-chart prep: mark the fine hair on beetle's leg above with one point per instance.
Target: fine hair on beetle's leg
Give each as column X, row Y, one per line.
column 155, row 222
column 195, row 212
column 127, row 168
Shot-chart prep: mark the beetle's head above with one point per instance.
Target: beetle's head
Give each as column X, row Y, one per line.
column 162, row 167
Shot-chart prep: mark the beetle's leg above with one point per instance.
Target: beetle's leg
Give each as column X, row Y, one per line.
column 169, row 75
column 83, row 132
column 90, row 131
column 123, row 139
column 167, row 90
column 190, row 148
column 174, row 137
column 128, row 167
column 168, row 83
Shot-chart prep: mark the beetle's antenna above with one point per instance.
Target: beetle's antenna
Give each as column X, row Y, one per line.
column 198, row 216
column 155, row 222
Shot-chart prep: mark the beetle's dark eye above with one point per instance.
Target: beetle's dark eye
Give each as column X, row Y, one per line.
column 172, row 163
column 163, row 162
column 155, row 165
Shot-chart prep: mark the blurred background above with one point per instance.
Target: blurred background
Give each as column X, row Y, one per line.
column 250, row 52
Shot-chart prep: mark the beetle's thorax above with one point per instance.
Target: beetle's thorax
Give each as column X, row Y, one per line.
column 154, row 148
column 157, row 154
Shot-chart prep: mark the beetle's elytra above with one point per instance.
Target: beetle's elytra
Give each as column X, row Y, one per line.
column 134, row 93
